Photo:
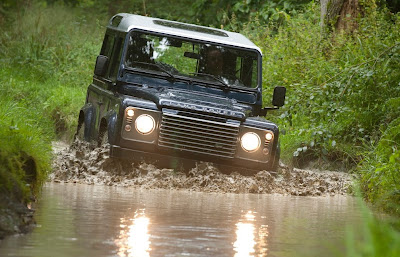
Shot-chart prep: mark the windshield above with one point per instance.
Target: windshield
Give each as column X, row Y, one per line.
column 194, row 60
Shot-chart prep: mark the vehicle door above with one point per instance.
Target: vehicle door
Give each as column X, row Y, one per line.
column 102, row 88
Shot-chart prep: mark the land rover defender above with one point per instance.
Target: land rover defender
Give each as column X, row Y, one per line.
column 171, row 92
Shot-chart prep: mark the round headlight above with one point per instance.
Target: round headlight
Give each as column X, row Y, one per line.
column 145, row 124
column 130, row 112
column 250, row 141
column 269, row 136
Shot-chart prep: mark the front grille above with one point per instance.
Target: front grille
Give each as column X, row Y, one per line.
column 184, row 132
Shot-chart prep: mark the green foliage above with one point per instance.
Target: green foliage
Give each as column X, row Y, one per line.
column 337, row 87
column 47, row 40
column 48, row 57
column 225, row 13
column 380, row 178
column 234, row 14
column 25, row 150
column 343, row 95
column 375, row 238
column 176, row 10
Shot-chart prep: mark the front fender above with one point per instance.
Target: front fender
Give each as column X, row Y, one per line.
column 261, row 123
column 111, row 119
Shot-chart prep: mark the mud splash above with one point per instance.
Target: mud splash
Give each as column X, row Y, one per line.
column 79, row 163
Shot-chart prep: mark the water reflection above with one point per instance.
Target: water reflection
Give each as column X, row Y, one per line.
column 246, row 240
column 134, row 239
column 183, row 223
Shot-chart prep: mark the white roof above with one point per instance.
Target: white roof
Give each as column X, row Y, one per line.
column 191, row 31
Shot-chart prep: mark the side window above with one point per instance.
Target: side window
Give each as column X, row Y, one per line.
column 248, row 73
column 116, row 58
column 107, row 46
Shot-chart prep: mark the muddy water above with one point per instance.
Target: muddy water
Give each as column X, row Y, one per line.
column 79, row 163
column 92, row 220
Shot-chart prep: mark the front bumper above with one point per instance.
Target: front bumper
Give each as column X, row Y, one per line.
column 182, row 136
column 186, row 161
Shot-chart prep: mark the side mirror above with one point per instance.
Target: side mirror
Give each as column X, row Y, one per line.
column 279, row 96
column 101, row 66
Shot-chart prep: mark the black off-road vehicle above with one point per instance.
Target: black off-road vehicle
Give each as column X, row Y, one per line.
column 168, row 92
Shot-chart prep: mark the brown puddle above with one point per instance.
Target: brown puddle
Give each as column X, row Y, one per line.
column 87, row 220
column 79, row 163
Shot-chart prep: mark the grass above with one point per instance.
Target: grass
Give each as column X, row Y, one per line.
column 47, row 56
column 25, row 152
column 375, row 237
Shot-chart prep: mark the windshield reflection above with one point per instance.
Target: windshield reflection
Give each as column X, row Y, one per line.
column 190, row 60
column 134, row 238
column 248, row 238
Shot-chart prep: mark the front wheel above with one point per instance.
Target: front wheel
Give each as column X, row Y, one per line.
column 275, row 164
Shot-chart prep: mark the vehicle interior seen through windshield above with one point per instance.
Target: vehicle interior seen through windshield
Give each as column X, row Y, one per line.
column 178, row 57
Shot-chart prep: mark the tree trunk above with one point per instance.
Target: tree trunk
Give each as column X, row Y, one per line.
column 340, row 14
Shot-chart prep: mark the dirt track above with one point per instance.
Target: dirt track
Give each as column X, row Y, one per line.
column 79, row 163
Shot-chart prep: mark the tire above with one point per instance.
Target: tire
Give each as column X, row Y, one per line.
column 275, row 164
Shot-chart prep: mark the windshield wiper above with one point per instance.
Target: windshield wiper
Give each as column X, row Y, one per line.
column 158, row 67
column 214, row 77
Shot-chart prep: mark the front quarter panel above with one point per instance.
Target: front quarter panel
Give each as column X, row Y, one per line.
column 129, row 102
column 267, row 149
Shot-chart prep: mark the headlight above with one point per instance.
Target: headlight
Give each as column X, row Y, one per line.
column 130, row 113
column 269, row 136
column 145, row 124
column 250, row 141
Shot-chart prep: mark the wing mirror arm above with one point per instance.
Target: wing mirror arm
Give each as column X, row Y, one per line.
column 264, row 111
column 278, row 100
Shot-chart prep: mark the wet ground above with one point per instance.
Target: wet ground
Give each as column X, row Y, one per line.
column 98, row 206
column 89, row 220
column 81, row 164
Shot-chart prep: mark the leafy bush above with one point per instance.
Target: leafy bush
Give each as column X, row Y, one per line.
column 337, row 85
column 343, row 92
column 234, row 14
column 48, row 58
column 380, row 177
column 25, row 150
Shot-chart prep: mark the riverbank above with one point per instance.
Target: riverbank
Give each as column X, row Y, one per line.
column 15, row 217
column 25, row 155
